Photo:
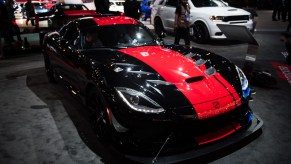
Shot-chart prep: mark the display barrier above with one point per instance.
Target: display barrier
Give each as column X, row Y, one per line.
column 241, row 33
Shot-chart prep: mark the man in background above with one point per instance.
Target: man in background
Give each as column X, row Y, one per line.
column 102, row 6
column 132, row 9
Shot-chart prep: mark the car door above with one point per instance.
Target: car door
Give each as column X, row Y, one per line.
column 168, row 14
column 72, row 58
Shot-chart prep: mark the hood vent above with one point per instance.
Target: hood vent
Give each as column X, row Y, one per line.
column 194, row 79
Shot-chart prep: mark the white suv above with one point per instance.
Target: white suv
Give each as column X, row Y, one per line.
column 204, row 17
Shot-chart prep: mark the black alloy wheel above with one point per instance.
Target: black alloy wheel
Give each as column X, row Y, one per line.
column 201, row 34
column 98, row 114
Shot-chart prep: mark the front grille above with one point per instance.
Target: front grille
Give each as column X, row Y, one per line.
column 236, row 18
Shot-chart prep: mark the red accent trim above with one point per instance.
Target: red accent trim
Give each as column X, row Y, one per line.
column 217, row 135
column 80, row 13
column 175, row 68
column 112, row 20
column 108, row 114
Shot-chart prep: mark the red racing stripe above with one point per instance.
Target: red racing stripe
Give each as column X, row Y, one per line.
column 102, row 21
column 175, row 68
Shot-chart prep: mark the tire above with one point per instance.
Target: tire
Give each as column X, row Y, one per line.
column 159, row 28
column 49, row 70
column 98, row 114
column 201, row 34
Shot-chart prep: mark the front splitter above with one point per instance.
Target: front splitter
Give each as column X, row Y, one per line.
column 256, row 124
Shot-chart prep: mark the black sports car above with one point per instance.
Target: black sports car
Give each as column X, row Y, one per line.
column 150, row 99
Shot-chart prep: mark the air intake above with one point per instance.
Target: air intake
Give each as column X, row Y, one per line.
column 194, row 79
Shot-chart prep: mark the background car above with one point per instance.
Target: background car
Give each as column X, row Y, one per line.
column 39, row 7
column 204, row 17
column 142, row 94
column 61, row 13
column 116, row 5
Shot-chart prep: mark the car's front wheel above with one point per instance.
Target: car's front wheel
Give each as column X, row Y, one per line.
column 201, row 34
column 99, row 115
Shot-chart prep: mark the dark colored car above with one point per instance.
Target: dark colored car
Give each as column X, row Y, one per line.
column 61, row 13
column 147, row 98
column 39, row 8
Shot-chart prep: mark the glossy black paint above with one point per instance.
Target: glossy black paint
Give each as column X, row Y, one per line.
column 81, row 70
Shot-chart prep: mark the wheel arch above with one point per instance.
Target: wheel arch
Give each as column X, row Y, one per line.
column 91, row 86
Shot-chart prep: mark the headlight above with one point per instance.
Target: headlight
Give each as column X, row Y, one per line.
column 216, row 18
column 244, row 82
column 138, row 101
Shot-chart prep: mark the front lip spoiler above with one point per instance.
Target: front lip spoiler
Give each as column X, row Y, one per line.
column 256, row 124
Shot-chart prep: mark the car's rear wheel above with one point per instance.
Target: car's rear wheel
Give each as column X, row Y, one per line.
column 99, row 115
column 201, row 34
column 159, row 28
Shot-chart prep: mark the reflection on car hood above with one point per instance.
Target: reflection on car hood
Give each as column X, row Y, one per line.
column 222, row 11
column 175, row 68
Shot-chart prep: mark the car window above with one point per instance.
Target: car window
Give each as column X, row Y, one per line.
column 71, row 34
column 123, row 35
column 172, row 3
column 73, row 7
column 63, row 30
column 119, row 3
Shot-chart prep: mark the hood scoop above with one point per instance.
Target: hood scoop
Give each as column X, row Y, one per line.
column 194, row 79
column 232, row 10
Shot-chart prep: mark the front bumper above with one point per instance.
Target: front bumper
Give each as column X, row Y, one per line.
column 215, row 32
column 254, row 127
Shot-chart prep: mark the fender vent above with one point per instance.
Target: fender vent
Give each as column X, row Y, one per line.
column 194, row 79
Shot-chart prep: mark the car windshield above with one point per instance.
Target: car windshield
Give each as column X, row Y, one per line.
column 209, row 3
column 119, row 36
column 73, row 7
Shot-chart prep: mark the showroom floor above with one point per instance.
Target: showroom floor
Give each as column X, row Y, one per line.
column 43, row 123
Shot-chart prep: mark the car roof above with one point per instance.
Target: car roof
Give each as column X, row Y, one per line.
column 113, row 20
column 86, row 23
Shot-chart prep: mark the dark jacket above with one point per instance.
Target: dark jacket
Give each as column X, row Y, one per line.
column 132, row 9
column 102, row 6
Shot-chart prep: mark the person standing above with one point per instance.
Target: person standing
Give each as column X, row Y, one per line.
column 182, row 22
column 30, row 12
column 102, row 6
column 132, row 9
column 286, row 39
column 4, row 20
column 288, row 8
column 12, row 20
column 277, row 4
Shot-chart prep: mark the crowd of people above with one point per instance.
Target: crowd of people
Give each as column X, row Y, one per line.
column 8, row 25
column 281, row 9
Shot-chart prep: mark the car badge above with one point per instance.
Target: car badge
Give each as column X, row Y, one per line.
column 216, row 104
column 144, row 54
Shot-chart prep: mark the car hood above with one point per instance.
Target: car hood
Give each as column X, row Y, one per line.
column 172, row 77
column 222, row 11
column 200, row 88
